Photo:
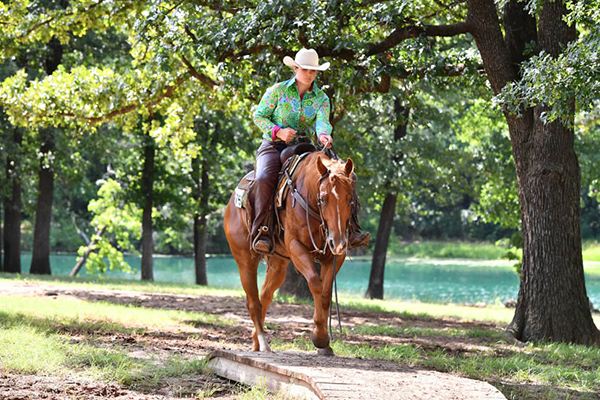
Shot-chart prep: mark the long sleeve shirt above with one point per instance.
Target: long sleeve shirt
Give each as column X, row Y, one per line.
column 282, row 107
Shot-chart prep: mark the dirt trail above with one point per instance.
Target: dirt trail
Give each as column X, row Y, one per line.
column 285, row 321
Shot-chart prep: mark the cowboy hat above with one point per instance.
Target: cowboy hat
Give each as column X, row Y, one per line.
column 307, row 59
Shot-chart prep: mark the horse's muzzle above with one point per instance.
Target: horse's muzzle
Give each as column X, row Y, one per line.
column 337, row 247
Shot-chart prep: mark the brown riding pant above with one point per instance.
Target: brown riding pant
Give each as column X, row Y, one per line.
column 266, row 172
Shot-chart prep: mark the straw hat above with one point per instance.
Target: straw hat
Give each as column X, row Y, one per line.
column 307, row 59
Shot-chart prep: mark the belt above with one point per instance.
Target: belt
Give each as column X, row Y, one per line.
column 299, row 139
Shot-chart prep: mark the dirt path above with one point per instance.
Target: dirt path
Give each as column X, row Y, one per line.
column 286, row 322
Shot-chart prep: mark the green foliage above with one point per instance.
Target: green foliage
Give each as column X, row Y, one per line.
column 434, row 249
column 555, row 82
column 188, row 74
column 119, row 222
column 514, row 250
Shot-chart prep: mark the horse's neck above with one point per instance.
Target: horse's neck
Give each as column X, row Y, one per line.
column 308, row 189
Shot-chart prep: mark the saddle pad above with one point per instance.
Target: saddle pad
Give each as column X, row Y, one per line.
column 282, row 186
column 246, row 181
column 240, row 196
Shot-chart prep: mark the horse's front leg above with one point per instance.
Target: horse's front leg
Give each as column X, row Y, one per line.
column 327, row 282
column 303, row 261
column 276, row 271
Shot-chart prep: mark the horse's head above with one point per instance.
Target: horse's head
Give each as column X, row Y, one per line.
column 335, row 201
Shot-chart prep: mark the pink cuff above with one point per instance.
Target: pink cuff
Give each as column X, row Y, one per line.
column 274, row 131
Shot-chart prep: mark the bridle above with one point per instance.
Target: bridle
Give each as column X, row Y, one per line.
column 316, row 214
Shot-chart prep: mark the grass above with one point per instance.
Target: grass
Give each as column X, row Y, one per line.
column 469, row 250
column 591, row 251
column 407, row 309
column 67, row 337
column 86, row 283
column 379, row 330
column 445, row 249
column 558, row 371
column 98, row 317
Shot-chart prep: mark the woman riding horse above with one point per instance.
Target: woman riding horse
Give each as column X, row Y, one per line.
column 288, row 112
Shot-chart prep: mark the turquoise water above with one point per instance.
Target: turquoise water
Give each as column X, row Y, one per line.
column 438, row 281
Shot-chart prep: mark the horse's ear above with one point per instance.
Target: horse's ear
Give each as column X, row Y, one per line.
column 349, row 167
column 321, row 167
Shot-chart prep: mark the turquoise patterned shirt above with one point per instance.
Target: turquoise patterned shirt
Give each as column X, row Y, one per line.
column 281, row 106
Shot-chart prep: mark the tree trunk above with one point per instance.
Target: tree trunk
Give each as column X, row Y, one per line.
column 90, row 248
column 552, row 303
column 12, row 212
column 1, row 238
column 147, row 193
column 386, row 219
column 295, row 284
column 200, row 176
column 40, row 257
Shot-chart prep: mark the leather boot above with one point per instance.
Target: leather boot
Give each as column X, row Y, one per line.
column 260, row 196
column 263, row 244
column 356, row 239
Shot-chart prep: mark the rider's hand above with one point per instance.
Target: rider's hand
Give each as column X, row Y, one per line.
column 286, row 134
column 324, row 139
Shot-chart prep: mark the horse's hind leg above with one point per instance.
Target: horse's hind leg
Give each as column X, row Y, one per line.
column 276, row 271
column 248, row 267
column 239, row 242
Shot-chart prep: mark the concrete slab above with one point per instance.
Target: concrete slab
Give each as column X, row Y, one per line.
column 312, row 377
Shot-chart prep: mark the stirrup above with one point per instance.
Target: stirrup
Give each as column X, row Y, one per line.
column 262, row 244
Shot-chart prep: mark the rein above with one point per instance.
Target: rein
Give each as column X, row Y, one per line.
column 337, row 303
column 330, row 152
column 310, row 212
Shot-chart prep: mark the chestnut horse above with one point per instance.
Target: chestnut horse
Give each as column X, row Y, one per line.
column 316, row 233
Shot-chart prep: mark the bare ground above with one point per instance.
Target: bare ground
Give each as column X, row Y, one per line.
column 286, row 322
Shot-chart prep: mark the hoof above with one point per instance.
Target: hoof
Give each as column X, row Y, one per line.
column 327, row 351
column 320, row 343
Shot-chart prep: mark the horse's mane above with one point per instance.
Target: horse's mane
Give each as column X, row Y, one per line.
column 311, row 176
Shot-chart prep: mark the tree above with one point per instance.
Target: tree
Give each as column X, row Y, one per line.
column 373, row 45
column 375, row 288
column 552, row 301
column 12, row 202
column 215, row 156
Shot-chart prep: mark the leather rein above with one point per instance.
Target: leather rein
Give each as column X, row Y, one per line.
column 310, row 212
column 318, row 214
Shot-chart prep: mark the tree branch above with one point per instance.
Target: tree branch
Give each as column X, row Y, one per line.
column 66, row 14
column 383, row 87
column 413, row 31
column 445, row 71
column 337, row 118
column 206, row 80
column 167, row 92
column 395, row 38
column 223, row 6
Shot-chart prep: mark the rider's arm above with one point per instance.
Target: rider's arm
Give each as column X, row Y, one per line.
column 263, row 115
column 322, row 125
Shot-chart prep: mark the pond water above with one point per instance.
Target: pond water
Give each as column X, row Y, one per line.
column 437, row 281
